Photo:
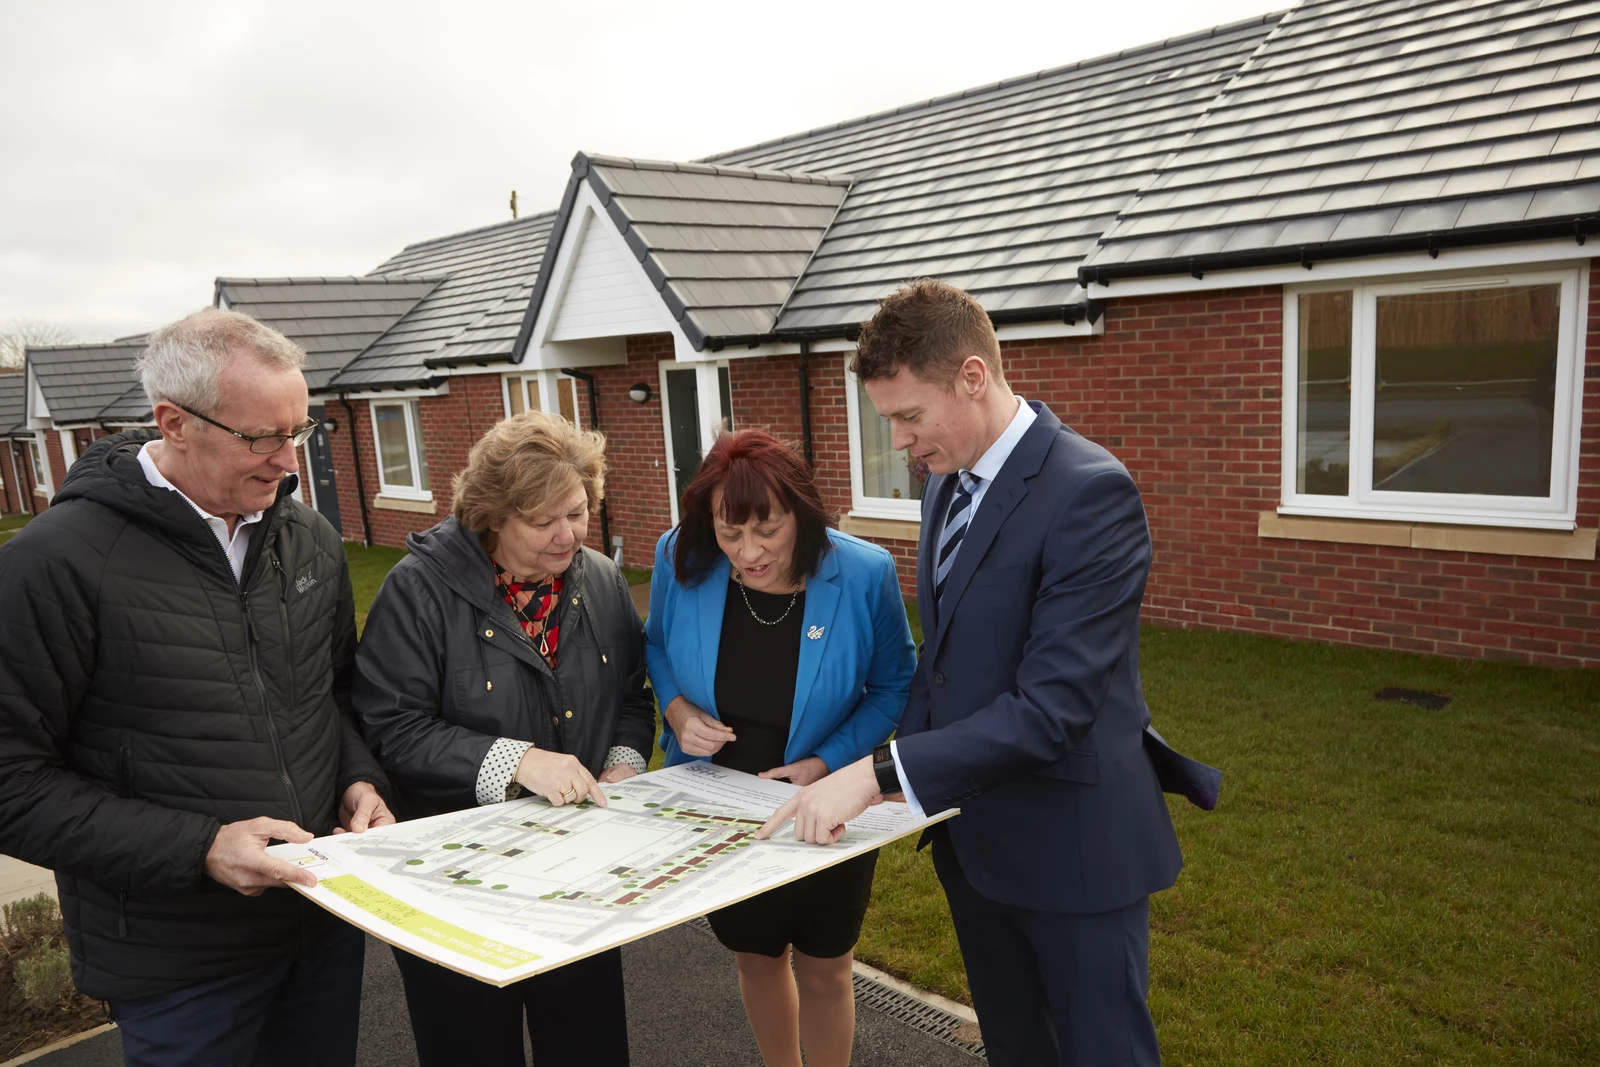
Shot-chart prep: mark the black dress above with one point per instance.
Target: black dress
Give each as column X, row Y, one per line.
column 757, row 662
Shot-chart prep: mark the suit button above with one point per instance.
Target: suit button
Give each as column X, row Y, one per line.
column 555, row 720
column 569, row 714
column 938, row 679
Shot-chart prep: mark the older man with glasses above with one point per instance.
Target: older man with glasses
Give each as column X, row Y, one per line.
column 175, row 662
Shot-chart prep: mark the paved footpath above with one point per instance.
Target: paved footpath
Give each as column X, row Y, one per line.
column 683, row 1011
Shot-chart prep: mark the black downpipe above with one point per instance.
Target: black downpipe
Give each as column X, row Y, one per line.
column 805, row 403
column 594, row 424
column 361, row 483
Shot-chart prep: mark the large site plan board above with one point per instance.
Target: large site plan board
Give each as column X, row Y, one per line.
column 509, row 890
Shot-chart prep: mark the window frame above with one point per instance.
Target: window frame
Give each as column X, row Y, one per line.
column 862, row 505
column 411, row 406
column 40, row 460
column 545, row 386
column 1558, row 510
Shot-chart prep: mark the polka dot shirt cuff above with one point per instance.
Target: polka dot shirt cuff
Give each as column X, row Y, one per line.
column 623, row 756
column 499, row 768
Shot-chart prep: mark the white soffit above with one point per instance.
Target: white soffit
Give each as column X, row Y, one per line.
column 1487, row 257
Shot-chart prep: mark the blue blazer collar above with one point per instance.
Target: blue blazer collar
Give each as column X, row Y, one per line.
column 822, row 603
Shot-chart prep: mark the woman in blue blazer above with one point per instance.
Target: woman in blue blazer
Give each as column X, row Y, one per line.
column 779, row 646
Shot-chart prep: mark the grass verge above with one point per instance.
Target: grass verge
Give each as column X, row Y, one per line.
column 1381, row 884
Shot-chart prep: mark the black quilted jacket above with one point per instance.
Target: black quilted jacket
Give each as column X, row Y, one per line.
column 145, row 699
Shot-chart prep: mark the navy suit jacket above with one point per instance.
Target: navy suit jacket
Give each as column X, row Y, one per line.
column 1026, row 709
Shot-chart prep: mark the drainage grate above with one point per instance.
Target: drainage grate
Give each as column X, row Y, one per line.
column 904, row 1008
column 1420, row 698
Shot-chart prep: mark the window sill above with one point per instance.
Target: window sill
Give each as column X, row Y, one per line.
column 403, row 503
column 1493, row 540
column 881, row 529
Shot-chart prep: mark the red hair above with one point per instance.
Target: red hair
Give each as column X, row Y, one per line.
column 754, row 470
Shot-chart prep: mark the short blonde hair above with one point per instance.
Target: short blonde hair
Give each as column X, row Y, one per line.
column 523, row 466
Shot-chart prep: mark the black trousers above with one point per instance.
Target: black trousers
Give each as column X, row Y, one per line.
column 303, row 1010
column 1053, row 990
column 576, row 1015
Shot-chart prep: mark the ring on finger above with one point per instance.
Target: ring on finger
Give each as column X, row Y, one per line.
column 569, row 793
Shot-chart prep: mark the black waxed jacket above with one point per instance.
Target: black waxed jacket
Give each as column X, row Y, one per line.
column 146, row 698
column 444, row 670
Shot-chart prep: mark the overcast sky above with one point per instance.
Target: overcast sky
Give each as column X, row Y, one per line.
column 147, row 148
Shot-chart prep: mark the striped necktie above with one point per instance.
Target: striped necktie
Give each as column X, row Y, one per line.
column 955, row 528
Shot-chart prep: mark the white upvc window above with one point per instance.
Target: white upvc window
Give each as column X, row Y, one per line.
column 1452, row 400
column 884, row 481
column 41, row 464
column 542, row 391
column 41, row 477
column 402, row 460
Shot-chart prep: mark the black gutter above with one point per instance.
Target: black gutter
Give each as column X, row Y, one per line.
column 465, row 361
column 850, row 331
column 361, row 483
column 594, row 424
column 805, row 403
column 1579, row 228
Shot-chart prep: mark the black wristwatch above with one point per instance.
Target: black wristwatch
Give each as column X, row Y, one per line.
column 883, row 767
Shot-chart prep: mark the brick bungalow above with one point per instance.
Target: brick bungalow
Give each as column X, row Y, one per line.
column 73, row 395
column 1319, row 279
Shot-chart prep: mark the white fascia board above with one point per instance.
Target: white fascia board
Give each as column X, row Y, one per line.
column 442, row 389
column 1486, row 257
column 785, row 348
column 1021, row 331
column 545, row 353
column 38, row 410
column 1038, row 331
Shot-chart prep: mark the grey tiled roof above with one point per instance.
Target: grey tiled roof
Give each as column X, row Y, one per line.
column 472, row 316
column 1363, row 125
column 80, row 382
column 13, row 404
column 723, row 246
column 333, row 319
column 1002, row 189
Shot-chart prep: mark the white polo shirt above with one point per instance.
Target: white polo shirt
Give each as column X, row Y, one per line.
column 237, row 546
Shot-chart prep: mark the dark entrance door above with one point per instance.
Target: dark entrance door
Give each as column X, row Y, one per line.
column 324, row 494
column 683, row 417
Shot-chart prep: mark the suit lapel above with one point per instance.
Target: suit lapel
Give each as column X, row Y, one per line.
column 822, row 601
column 935, row 502
column 999, row 501
column 712, row 597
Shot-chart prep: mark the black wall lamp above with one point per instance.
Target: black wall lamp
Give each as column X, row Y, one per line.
column 640, row 393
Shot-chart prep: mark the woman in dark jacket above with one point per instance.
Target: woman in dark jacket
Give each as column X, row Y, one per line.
column 503, row 656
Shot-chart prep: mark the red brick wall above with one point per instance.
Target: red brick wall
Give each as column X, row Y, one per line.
column 638, row 497
column 766, row 395
column 1187, row 392
column 450, row 426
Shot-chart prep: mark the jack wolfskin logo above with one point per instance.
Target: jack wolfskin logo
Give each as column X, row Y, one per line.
column 304, row 582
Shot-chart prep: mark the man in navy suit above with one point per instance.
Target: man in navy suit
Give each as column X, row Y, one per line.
column 1026, row 710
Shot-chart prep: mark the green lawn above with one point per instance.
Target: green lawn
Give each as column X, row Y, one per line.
column 1381, row 884
column 10, row 524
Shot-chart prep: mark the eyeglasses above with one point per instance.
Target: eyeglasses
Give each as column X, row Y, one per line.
column 266, row 444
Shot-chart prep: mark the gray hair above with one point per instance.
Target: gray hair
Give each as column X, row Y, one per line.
column 183, row 360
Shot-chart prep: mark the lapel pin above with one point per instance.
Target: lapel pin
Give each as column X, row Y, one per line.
column 815, row 632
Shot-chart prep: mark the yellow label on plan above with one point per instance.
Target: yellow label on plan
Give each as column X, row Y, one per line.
column 397, row 913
